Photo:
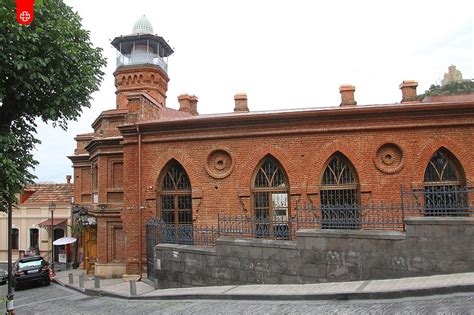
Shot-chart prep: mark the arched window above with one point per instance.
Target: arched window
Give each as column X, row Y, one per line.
column 175, row 195
column 270, row 199
column 339, row 195
column 443, row 185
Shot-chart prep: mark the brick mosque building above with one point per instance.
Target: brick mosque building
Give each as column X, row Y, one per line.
column 144, row 159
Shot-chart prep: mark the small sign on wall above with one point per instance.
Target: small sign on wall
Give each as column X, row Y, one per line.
column 158, row 264
column 62, row 258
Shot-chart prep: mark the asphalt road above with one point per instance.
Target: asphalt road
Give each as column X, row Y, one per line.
column 56, row 299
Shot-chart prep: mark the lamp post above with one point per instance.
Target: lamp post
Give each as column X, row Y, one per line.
column 52, row 207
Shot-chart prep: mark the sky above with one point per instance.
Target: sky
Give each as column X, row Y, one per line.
column 282, row 54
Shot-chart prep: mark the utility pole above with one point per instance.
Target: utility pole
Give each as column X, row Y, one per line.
column 52, row 207
column 10, row 308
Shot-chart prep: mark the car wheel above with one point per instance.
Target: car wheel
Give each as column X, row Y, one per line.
column 16, row 286
column 47, row 281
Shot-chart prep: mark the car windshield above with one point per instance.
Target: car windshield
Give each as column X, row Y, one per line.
column 30, row 263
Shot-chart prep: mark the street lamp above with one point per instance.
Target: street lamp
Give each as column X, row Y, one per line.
column 52, row 207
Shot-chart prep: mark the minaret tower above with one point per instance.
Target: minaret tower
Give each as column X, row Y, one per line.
column 142, row 64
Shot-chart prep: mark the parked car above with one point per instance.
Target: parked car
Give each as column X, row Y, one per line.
column 3, row 276
column 28, row 270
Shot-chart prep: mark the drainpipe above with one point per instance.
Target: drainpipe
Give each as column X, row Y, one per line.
column 140, row 198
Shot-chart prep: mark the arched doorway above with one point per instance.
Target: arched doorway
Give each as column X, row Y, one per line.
column 175, row 204
column 339, row 194
column 57, row 234
column 270, row 192
column 444, row 185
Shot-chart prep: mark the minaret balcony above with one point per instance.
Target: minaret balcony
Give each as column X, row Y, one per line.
column 142, row 59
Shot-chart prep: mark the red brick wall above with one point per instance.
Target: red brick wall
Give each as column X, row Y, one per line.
column 109, row 248
column 303, row 153
column 150, row 79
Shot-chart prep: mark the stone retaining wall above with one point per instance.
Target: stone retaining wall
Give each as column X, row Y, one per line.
column 429, row 246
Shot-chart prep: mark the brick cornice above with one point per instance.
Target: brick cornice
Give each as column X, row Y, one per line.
column 141, row 68
column 375, row 112
column 98, row 142
column 217, row 133
column 109, row 114
column 79, row 158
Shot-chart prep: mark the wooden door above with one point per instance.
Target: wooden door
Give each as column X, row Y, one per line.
column 90, row 250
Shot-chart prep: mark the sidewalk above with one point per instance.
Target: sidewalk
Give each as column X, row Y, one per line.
column 108, row 287
column 370, row 289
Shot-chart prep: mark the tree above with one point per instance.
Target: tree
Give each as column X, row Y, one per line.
column 463, row 87
column 48, row 71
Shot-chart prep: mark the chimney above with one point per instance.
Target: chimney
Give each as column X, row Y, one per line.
column 241, row 102
column 347, row 95
column 68, row 179
column 184, row 103
column 408, row 88
column 188, row 104
column 193, row 101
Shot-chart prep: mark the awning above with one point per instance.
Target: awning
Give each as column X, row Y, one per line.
column 55, row 222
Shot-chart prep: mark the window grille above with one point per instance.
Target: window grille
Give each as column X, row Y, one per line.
column 339, row 195
column 443, row 186
column 270, row 200
column 176, row 201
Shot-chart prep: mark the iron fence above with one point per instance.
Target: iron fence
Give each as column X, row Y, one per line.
column 425, row 201
column 368, row 217
column 437, row 200
column 185, row 234
column 151, row 241
column 253, row 227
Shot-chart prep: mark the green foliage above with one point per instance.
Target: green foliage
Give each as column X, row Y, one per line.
column 48, row 70
column 464, row 87
column 76, row 230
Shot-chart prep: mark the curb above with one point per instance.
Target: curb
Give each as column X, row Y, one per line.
column 285, row 297
column 309, row 297
column 85, row 291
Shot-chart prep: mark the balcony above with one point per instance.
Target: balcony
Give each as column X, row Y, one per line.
column 141, row 59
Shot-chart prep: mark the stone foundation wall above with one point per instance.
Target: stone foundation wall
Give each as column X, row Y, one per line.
column 429, row 246
column 110, row 271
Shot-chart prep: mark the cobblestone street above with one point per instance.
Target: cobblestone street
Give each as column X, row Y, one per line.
column 59, row 300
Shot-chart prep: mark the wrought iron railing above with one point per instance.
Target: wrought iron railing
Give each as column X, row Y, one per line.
column 426, row 201
column 438, row 200
column 186, row 234
column 252, row 227
column 350, row 217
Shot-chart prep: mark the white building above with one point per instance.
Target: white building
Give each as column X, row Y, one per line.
column 32, row 220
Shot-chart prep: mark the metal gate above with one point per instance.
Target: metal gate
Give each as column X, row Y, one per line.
column 152, row 230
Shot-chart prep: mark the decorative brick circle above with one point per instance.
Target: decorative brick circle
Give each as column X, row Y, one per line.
column 219, row 163
column 389, row 158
